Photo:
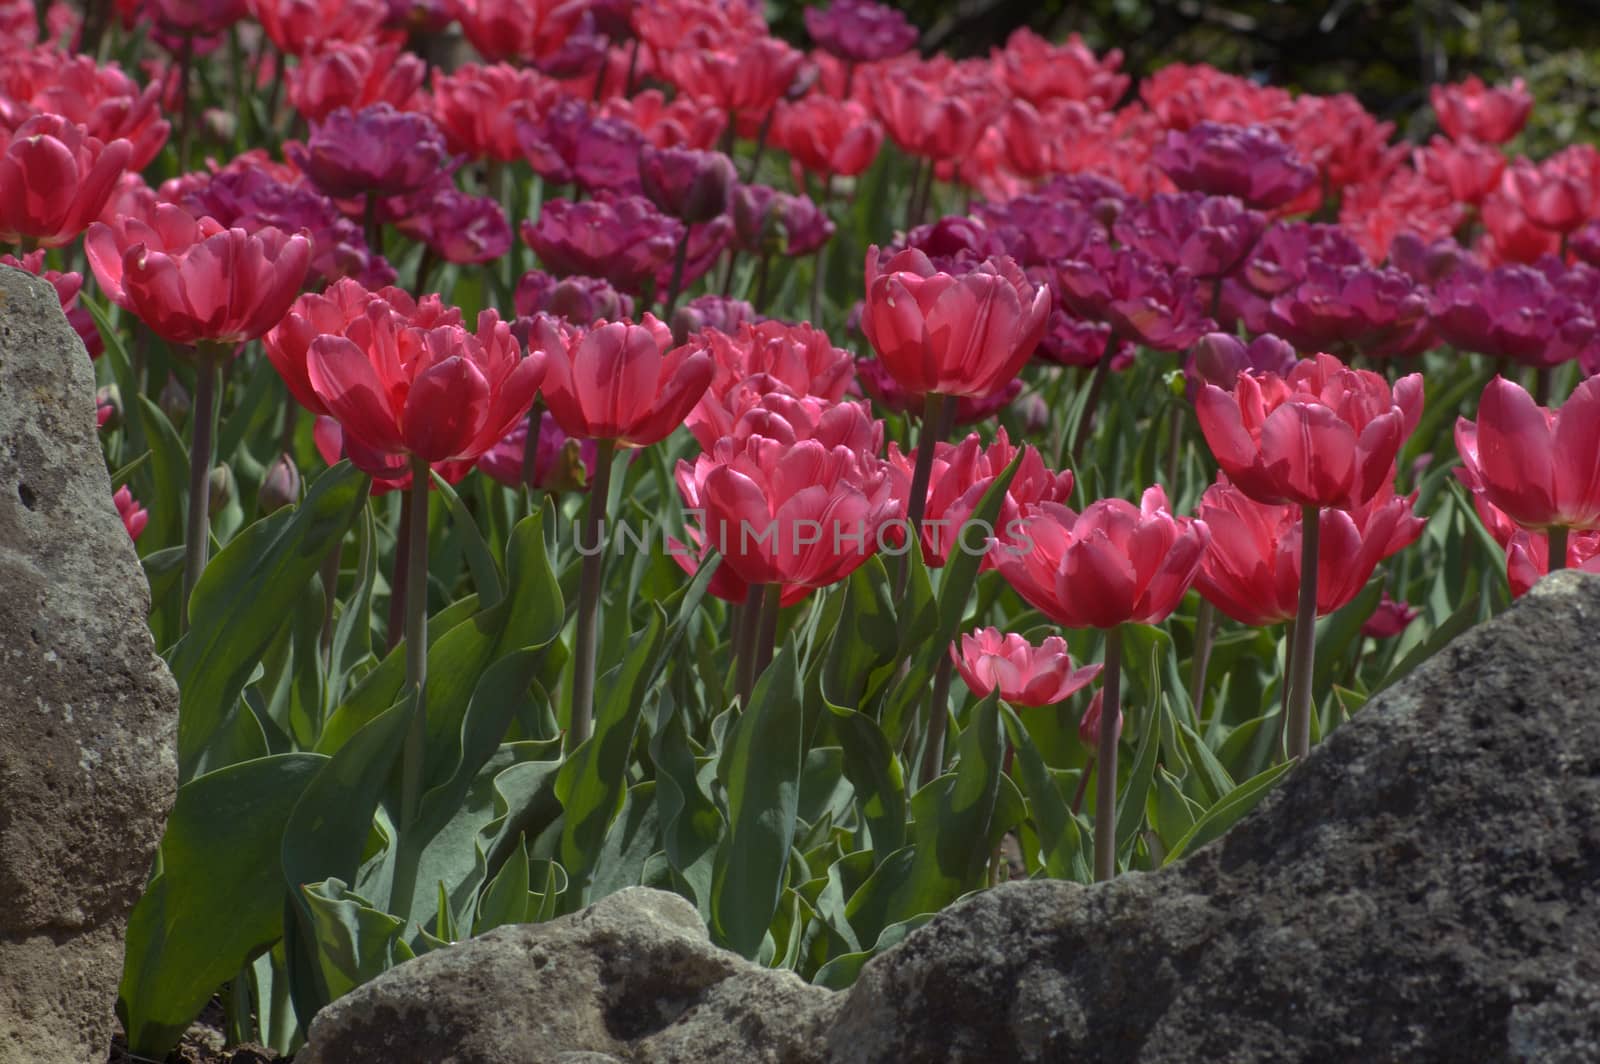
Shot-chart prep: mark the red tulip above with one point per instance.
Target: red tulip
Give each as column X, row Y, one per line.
column 745, row 77
column 1089, row 724
column 54, row 180
column 1561, row 192
column 1389, row 619
column 193, row 281
column 956, row 335
column 794, row 513
column 1528, row 557
column 297, row 27
column 1470, row 170
column 329, row 313
column 1112, row 564
column 960, row 475
column 1039, row 71
column 101, row 98
column 620, row 381
column 1024, row 674
column 519, row 29
column 827, row 136
column 1326, row 435
column 440, row 394
column 1251, row 570
column 356, row 76
column 1473, row 111
column 1539, row 467
column 482, row 108
column 686, row 122
column 796, row 360
column 134, row 517
column 396, row 476
column 926, row 121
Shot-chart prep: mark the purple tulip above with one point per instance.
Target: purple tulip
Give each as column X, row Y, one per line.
column 1426, row 263
column 570, row 143
column 623, row 239
column 1512, row 312
column 1210, row 236
column 457, row 227
column 1071, row 341
column 1250, row 162
column 376, row 151
column 766, row 220
column 706, row 244
column 694, row 186
column 860, row 31
column 711, row 311
column 580, row 300
column 560, row 463
column 1380, row 313
column 1040, row 230
column 1218, row 358
column 1138, row 297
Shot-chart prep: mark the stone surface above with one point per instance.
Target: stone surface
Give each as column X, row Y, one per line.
column 632, row 977
column 88, row 713
column 1425, row 888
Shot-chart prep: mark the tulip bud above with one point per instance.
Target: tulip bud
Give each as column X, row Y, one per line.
column 1217, row 358
column 1032, row 412
column 686, row 321
column 1107, row 210
column 691, row 185
column 174, row 401
column 1089, row 725
column 221, row 489
column 108, row 407
column 280, row 487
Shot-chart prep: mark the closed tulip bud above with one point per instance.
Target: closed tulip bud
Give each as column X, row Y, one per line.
column 221, row 489
column 174, row 401
column 280, row 487
column 1024, row 674
column 691, row 185
column 1089, row 726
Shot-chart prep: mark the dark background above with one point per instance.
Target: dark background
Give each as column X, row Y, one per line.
column 1385, row 51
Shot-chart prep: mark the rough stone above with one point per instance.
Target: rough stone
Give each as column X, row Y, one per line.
column 88, row 712
column 1426, row 887
column 632, row 977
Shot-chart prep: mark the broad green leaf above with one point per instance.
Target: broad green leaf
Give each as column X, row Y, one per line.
column 245, row 596
column 168, row 475
column 689, row 821
column 480, row 560
column 760, row 768
column 356, row 942
column 633, row 837
column 1226, row 813
column 875, row 772
column 505, row 899
column 210, row 909
column 1059, row 834
column 1131, row 802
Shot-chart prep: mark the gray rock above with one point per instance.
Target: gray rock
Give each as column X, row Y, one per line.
column 88, row 712
column 1426, row 887
column 633, row 976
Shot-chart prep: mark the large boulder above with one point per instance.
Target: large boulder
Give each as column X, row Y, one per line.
column 633, row 977
column 1426, row 887
column 88, row 712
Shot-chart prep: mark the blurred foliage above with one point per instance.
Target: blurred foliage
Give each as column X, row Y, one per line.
column 1387, row 52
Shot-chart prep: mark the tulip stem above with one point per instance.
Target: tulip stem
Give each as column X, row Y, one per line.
column 1305, row 636
column 911, row 199
column 1557, row 548
column 761, row 142
column 1205, row 629
column 767, row 637
column 748, row 619
column 927, row 441
column 1097, row 385
column 938, row 720
column 186, row 107
column 679, row 260
column 397, row 580
column 1105, row 784
column 530, row 447
column 633, row 68
column 593, row 551
column 763, row 269
column 370, row 227
column 416, row 501
column 197, row 533
column 820, row 260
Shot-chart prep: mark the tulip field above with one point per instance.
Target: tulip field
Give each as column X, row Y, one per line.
column 579, row 445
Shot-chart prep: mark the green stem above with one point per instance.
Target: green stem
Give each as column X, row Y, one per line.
column 927, row 441
column 186, row 112
column 1305, row 636
column 1558, row 548
column 1097, row 385
column 1205, row 629
column 915, row 186
column 938, row 720
column 763, row 269
column 761, row 143
column 747, row 618
column 370, row 227
column 589, row 597
column 820, row 261
column 1105, row 786
column 767, row 639
column 530, row 447
column 197, row 534
column 416, row 501
column 1541, row 385
column 678, row 262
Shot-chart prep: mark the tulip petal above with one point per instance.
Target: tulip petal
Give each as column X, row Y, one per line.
column 345, row 382
column 1516, row 454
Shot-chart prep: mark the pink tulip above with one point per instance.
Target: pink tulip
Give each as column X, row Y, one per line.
column 1024, row 674
column 134, row 517
column 1540, row 467
column 1474, row 111
column 1325, row 435
column 1112, row 564
column 54, row 180
column 797, row 360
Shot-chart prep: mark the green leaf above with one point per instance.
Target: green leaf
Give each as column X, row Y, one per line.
column 1059, row 835
column 356, row 942
column 1131, row 803
column 480, row 560
column 168, row 471
column 505, row 899
column 865, row 638
column 633, row 837
column 1222, row 816
column 689, row 821
column 352, row 631
column 210, row 909
column 875, row 772
column 760, row 768
column 245, row 597
column 593, row 780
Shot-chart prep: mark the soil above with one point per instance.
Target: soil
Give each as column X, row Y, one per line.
column 203, row 1043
